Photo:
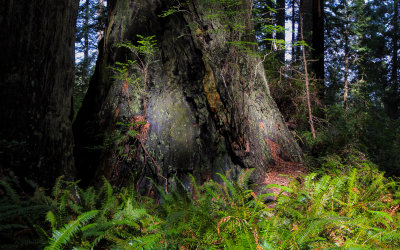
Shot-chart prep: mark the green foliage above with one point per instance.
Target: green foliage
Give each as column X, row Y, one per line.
column 211, row 216
column 21, row 214
column 358, row 132
column 351, row 210
column 146, row 46
column 135, row 72
column 357, row 207
column 62, row 236
column 116, row 219
column 246, row 48
column 73, row 217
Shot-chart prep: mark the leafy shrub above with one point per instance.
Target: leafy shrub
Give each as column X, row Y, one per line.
column 356, row 131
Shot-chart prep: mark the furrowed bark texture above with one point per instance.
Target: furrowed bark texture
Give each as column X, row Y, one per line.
column 36, row 79
column 206, row 107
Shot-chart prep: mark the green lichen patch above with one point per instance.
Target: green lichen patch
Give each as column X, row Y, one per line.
column 175, row 127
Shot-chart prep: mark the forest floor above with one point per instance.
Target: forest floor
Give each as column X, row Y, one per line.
column 283, row 171
column 283, row 174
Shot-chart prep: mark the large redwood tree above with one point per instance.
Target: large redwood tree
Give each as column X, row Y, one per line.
column 199, row 101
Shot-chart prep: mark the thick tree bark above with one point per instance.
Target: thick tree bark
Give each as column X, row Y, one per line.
column 36, row 79
column 206, row 106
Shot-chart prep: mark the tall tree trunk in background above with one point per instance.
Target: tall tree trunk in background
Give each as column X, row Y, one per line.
column 393, row 99
column 36, row 79
column 318, row 46
column 306, row 79
column 306, row 13
column 346, row 71
column 395, row 64
column 280, row 21
column 85, row 69
column 313, row 27
column 205, row 107
column 100, row 16
column 346, row 37
column 293, row 31
column 266, row 17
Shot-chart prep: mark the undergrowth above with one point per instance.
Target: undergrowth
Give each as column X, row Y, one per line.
column 356, row 207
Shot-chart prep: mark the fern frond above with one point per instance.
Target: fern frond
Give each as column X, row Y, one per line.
column 107, row 190
column 351, row 182
column 43, row 235
column 89, row 198
column 51, row 218
column 10, row 191
column 150, row 241
column 62, row 236
column 229, row 188
column 97, row 230
column 23, row 244
column 392, row 237
column 7, row 227
column 283, row 188
column 23, row 210
column 196, row 188
column 58, row 187
column 244, row 177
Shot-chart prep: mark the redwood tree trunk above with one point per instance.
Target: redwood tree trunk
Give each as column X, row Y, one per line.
column 206, row 107
column 318, row 45
column 280, row 20
column 313, row 26
column 86, row 63
column 294, row 19
column 346, row 64
column 393, row 100
column 36, row 79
